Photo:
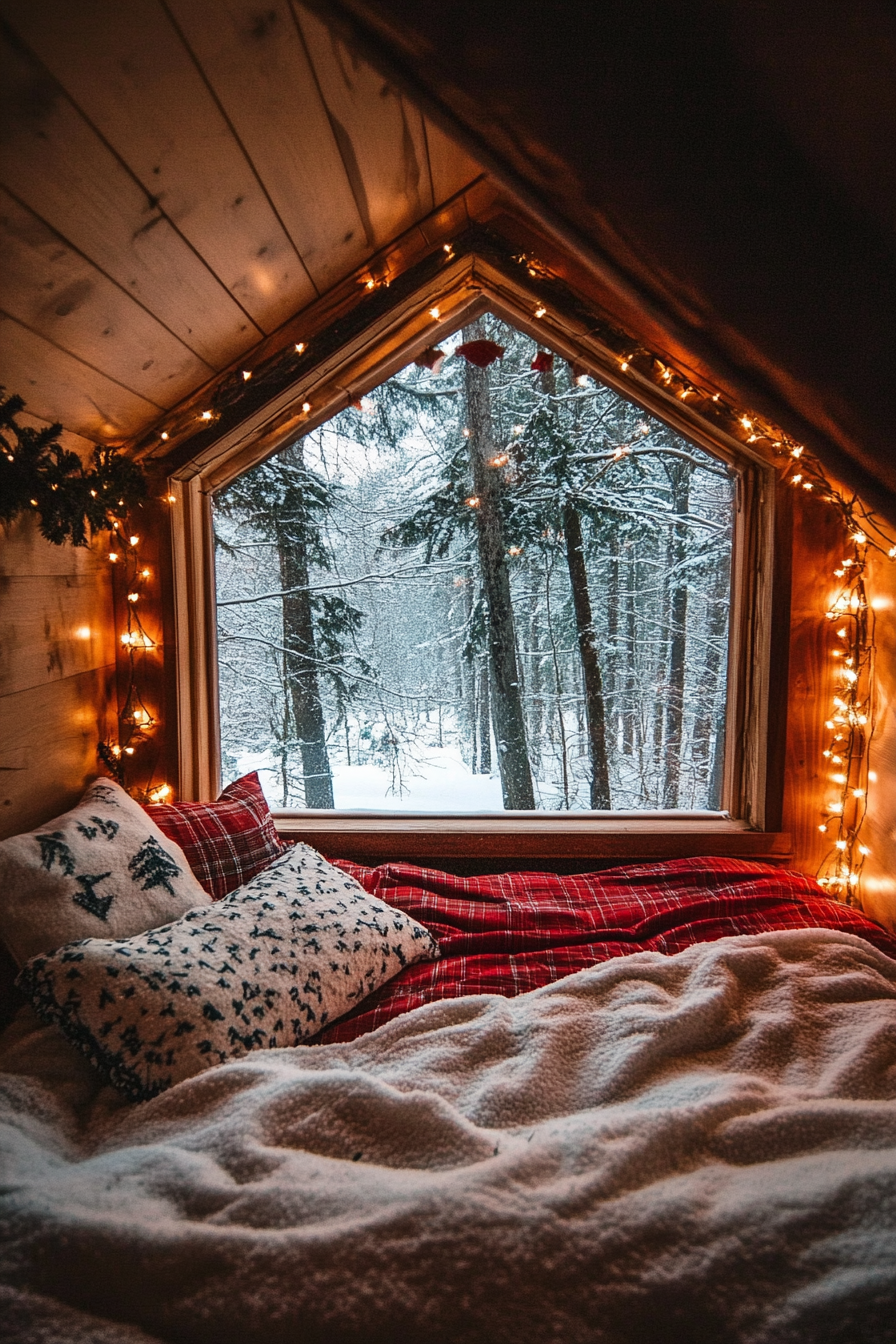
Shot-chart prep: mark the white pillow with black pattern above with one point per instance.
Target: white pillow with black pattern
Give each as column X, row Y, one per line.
column 103, row 870
column 268, row 966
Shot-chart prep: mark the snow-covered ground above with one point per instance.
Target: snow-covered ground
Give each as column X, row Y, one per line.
column 443, row 783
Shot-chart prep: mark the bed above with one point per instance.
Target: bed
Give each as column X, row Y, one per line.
column 651, row 1104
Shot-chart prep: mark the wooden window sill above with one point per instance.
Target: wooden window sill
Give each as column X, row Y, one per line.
column 499, row 841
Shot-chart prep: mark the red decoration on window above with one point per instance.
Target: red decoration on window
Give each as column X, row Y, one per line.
column 431, row 358
column 543, row 362
column 480, row 353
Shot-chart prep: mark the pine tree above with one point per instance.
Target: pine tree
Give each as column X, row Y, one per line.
column 152, row 866
column 286, row 502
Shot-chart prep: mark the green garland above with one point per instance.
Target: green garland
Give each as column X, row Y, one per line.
column 38, row 475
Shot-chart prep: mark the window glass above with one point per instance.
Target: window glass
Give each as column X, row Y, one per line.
column 494, row 583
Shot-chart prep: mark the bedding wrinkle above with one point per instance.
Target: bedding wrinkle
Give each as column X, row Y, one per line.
column 653, row 1150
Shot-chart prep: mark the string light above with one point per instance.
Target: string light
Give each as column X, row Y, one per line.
column 247, row 374
column 540, row 310
column 136, row 721
column 300, row 347
column 435, row 313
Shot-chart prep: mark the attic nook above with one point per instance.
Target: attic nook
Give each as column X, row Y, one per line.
column 480, row 423
column 221, row 310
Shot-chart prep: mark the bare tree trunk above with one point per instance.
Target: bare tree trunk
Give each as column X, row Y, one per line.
column 708, row 718
column 680, row 476
column 594, row 699
column 628, row 698
column 595, row 712
column 507, row 703
column 611, row 649
column 485, row 721
column 301, row 659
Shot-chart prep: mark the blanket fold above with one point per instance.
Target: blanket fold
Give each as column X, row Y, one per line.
column 686, row 1148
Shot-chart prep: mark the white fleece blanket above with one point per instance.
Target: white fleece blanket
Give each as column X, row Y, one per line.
column 655, row 1150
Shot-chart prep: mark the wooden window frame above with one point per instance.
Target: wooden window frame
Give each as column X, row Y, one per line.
column 462, row 291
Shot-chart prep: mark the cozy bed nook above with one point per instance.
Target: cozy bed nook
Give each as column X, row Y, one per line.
column 447, row 849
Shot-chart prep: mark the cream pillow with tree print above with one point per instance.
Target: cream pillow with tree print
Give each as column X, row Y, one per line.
column 103, row 870
column 268, row 966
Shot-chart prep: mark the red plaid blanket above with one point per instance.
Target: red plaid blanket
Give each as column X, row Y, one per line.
column 512, row 932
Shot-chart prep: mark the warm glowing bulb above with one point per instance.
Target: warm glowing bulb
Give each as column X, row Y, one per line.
column 858, row 793
column 133, row 597
column 841, row 844
column 158, row 795
column 515, row 550
column 435, row 313
column 838, row 779
column 540, row 311
column 306, row 407
column 116, row 751
column 624, row 366
column 133, row 540
column 859, row 538
column 796, row 452
column 247, row 374
column 836, row 808
column 446, row 247
column 164, row 436
column 823, row 828
column 863, row 849
column 472, row 501
column 82, row 632
column 172, row 499
column 206, row 415
column 129, row 751
column 146, row 573
column 829, row 723
column 583, row 379
column 500, row 460
column 466, row 433
column 370, row 284
column 300, row 346
column 747, row 424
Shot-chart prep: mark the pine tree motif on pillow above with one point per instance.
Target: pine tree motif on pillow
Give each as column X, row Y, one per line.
column 153, row 866
column 53, row 849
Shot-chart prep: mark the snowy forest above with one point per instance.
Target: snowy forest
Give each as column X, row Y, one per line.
column 493, row 583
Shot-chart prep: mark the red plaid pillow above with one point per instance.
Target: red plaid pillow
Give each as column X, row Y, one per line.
column 227, row 842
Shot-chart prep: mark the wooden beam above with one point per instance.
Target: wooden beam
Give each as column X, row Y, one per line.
column 55, row 162
column 260, row 73
column 129, row 71
column 60, row 295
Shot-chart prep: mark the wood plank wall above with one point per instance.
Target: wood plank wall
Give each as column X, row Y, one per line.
column 57, row 671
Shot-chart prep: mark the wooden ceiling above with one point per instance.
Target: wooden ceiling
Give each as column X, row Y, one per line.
column 179, row 179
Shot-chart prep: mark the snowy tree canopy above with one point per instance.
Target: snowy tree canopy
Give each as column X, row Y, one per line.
column 485, row 588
